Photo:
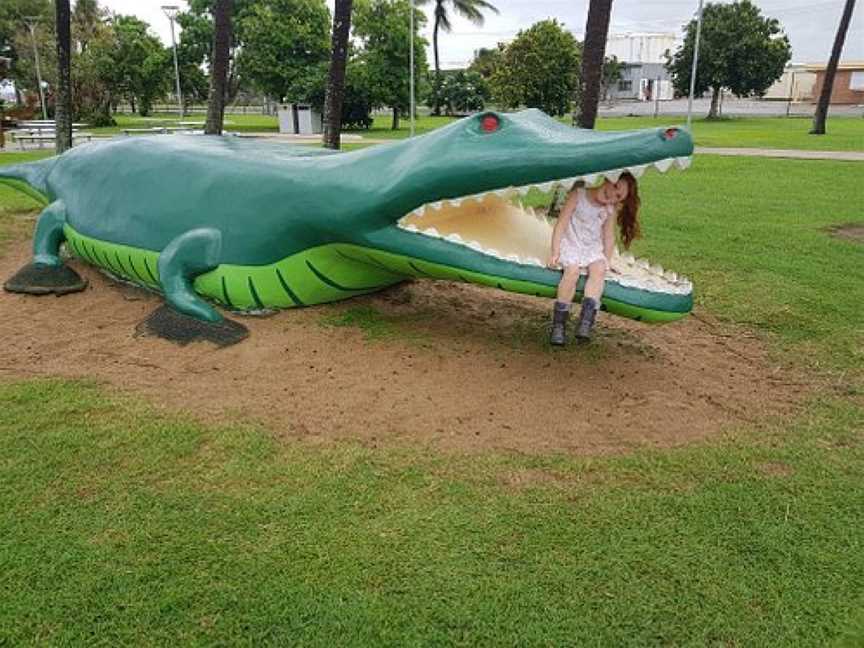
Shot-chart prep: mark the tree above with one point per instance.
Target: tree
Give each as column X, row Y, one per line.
column 382, row 28
column 286, row 46
column 62, row 94
column 461, row 91
column 16, row 44
column 219, row 67
column 86, row 17
column 470, row 9
column 593, row 53
column 739, row 50
column 195, row 49
column 539, row 69
column 828, row 82
column 141, row 63
column 486, row 60
column 336, row 77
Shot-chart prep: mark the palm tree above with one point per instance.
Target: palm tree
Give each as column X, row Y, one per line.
column 63, row 95
column 593, row 53
column 828, row 82
column 336, row 79
column 219, row 66
column 470, row 9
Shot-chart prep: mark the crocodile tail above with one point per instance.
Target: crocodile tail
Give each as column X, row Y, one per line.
column 30, row 178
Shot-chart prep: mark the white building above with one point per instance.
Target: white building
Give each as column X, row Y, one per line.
column 641, row 47
column 643, row 77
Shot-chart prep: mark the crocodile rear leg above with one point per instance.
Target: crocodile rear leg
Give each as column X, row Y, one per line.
column 47, row 274
column 188, row 317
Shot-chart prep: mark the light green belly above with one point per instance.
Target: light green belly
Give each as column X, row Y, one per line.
column 323, row 274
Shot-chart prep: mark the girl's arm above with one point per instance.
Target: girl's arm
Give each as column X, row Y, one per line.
column 609, row 238
column 560, row 225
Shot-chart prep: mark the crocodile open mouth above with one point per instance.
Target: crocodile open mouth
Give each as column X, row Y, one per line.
column 496, row 223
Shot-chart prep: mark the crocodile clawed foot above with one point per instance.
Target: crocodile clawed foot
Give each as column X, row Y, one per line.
column 45, row 279
column 171, row 325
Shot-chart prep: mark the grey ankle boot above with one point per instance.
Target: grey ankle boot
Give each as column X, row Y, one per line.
column 560, row 314
column 586, row 318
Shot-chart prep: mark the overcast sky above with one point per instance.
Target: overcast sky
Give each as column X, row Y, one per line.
column 810, row 24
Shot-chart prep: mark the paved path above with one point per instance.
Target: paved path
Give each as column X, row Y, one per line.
column 856, row 156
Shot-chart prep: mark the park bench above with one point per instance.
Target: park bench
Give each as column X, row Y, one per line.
column 40, row 138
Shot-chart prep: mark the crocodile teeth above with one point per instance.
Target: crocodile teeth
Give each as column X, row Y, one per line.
column 663, row 165
column 437, row 205
column 432, row 232
column 455, row 202
column 670, row 276
column 410, row 227
column 628, row 258
column 637, row 171
column 613, row 175
column 474, row 245
column 643, row 264
column 502, row 192
column 524, row 190
column 683, row 162
column 591, row 179
column 546, row 187
column 514, row 258
column 493, row 252
column 454, row 238
column 657, row 269
column 534, row 261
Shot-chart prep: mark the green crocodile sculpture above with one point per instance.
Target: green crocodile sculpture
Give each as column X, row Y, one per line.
column 253, row 225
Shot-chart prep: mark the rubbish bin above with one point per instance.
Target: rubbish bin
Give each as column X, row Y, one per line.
column 299, row 119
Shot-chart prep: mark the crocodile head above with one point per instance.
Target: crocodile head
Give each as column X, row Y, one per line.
column 450, row 199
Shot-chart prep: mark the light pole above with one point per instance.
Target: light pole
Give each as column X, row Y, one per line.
column 171, row 11
column 693, row 70
column 30, row 22
column 411, row 61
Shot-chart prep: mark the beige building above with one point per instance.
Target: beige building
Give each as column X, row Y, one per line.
column 848, row 82
column 796, row 84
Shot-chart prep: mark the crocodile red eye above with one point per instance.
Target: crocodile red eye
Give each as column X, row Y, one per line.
column 670, row 133
column 490, row 123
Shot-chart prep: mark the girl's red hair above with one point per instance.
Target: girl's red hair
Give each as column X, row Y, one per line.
column 628, row 215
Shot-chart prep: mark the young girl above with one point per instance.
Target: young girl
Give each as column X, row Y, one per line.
column 584, row 237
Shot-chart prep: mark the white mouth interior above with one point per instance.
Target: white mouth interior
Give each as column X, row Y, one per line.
column 494, row 224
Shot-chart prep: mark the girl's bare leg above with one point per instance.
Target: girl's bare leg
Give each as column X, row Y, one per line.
column 567, row 285
column 594, row 284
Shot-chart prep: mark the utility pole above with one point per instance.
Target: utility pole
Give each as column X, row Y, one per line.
column 171, row 11
column 30, row 22
column 693, row 70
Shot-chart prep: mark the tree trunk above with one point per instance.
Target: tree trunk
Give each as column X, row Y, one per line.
column 713, row 112
column 219, row 67
column 828, row 82
column 436, row 106
column 395, row 125
column 132, row 104
column 63, row 94
column 593, row 53
column 336, row 80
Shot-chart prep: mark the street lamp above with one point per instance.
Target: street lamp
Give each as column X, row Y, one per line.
column 30, row 22
column 171, row 11
column 693, row 70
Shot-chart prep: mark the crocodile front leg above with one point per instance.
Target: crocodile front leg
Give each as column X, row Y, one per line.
column 188, row 317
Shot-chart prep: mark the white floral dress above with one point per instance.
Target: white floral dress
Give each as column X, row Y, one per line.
column 582, row 241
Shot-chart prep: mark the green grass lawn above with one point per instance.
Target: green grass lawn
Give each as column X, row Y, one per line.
column 123, row 525
column 844, row 133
